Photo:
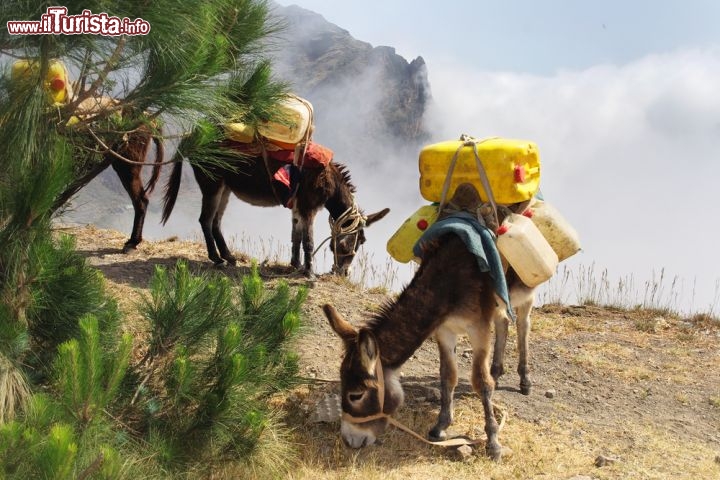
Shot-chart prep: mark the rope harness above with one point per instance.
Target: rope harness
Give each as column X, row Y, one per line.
column 301, row 148
column 452, row 442
column 355, row 221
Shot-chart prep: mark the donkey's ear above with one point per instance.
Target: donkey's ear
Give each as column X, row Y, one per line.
column 341, row 326
column 367, row 346
column 374, row 217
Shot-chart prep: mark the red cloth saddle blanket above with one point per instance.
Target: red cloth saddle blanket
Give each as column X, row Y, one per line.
column 316, row 155
column 286, row 180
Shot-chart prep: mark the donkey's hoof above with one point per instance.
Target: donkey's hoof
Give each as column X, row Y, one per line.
column 232, row 261
column 437, row 434
column 496, row 452
column 129, row 247
column 526, row 388
column 497, row 371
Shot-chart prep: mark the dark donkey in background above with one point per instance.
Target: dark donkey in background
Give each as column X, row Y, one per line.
column 133, row 149
column 448, row 295
column 249, row 178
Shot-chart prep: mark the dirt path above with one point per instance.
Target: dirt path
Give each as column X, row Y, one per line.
column 638, row 387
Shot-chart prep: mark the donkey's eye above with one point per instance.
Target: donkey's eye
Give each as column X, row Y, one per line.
column 355, row 397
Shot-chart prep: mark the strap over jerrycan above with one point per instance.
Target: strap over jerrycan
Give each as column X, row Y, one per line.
column 512, row 167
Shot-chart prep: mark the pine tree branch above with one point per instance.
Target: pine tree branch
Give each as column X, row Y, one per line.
column 10, row 54
column 78, row 184
column 102, row 76
column 80, row 84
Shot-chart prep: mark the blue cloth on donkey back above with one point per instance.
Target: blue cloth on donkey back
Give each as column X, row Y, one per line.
column 479, row 240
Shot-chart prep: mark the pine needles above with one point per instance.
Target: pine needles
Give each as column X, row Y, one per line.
column 217, row 350
column 216, row 356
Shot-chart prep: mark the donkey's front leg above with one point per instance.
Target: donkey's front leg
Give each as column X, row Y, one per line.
column 523, row 300
column 308, row 243
column 297, row 229
column 446, row 341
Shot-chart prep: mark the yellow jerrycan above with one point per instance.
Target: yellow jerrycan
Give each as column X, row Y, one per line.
column 293, row 125
column 400, row 245
column 239, row 132
column 56, row 82
column 512, row 168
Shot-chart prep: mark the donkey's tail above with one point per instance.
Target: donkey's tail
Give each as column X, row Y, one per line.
column 172, row 187
column 159, row 156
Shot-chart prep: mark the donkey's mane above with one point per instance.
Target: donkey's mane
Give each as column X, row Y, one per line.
column 384, row 310
column 344, row 175
column 380, row 315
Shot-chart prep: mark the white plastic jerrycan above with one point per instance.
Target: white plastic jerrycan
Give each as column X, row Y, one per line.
column 561, row 236
column 526, row 250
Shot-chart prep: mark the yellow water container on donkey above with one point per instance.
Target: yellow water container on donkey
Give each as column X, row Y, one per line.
column 400, row 245
column 292, row 124
column 512, row 168
column 240, row 132
column 56, row 81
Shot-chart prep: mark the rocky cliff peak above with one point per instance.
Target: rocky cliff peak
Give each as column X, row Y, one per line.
column 370, row 91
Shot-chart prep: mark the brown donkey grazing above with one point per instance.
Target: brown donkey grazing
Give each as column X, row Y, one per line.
column 249, row 179
column 448, row 296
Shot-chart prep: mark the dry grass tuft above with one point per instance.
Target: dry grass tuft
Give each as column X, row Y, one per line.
column 705, row 321
column 14, row 390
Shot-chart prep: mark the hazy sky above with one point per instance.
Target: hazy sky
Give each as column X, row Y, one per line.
column 622, row 97
column 526, row 36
